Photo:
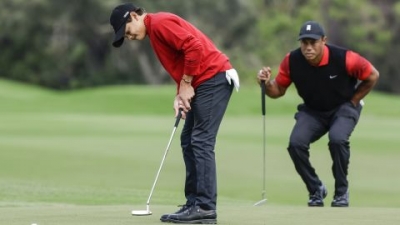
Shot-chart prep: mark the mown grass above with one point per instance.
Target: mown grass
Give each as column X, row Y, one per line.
column 90, row 156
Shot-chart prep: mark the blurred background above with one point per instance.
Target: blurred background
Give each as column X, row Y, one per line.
column 66, row 45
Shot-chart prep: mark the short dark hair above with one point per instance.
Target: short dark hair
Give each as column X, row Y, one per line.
column 140, row 11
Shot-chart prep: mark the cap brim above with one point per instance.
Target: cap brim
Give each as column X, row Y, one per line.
column 312, row 36
column 119, row 37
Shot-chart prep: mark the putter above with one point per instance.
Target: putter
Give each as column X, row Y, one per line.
column 263, row 199
column 147, row 211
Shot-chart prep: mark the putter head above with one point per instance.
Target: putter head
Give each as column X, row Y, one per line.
column 260, row 202
column 141, row 212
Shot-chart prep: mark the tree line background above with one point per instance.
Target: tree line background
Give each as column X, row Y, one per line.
column 66, row 45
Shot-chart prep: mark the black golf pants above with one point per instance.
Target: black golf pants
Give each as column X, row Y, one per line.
column 312, row 125
column 198, row 140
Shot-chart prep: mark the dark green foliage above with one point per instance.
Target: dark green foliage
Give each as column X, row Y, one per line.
column 67, row 44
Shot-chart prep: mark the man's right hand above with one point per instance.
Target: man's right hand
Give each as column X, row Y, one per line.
column 272, row 89
column 179, row 106
column 264, row 75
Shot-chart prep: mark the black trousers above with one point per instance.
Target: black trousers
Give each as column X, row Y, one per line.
column 312, row 125
column 198, row 140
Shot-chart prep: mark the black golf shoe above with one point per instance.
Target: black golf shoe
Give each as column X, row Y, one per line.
column 194, row 215
column 317, row 199
column 341, row 200
column 165, row 217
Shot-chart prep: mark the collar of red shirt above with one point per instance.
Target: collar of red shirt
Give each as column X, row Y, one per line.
column 325, row 57
column 146, row 21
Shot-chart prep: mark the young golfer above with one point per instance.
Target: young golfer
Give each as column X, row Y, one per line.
column 205, row 79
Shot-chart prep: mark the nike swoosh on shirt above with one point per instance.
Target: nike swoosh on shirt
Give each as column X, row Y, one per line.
column 332, row 76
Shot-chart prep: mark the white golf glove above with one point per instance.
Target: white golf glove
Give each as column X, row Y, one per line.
column 232, row 76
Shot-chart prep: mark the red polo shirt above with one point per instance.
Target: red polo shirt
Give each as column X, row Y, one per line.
column 356, row 66
column 183, row 49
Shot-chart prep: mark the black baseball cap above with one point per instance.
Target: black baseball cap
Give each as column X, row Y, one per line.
column 118, row 19
column 311, row 29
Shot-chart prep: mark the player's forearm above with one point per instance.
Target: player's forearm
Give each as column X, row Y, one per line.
column 365, row 87
column 273, row 90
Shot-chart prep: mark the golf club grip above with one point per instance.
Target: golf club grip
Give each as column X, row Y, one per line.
column 262, row 84
column 178, row 118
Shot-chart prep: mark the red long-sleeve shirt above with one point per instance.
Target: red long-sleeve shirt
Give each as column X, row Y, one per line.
column 183, row 49
column 356, row 66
